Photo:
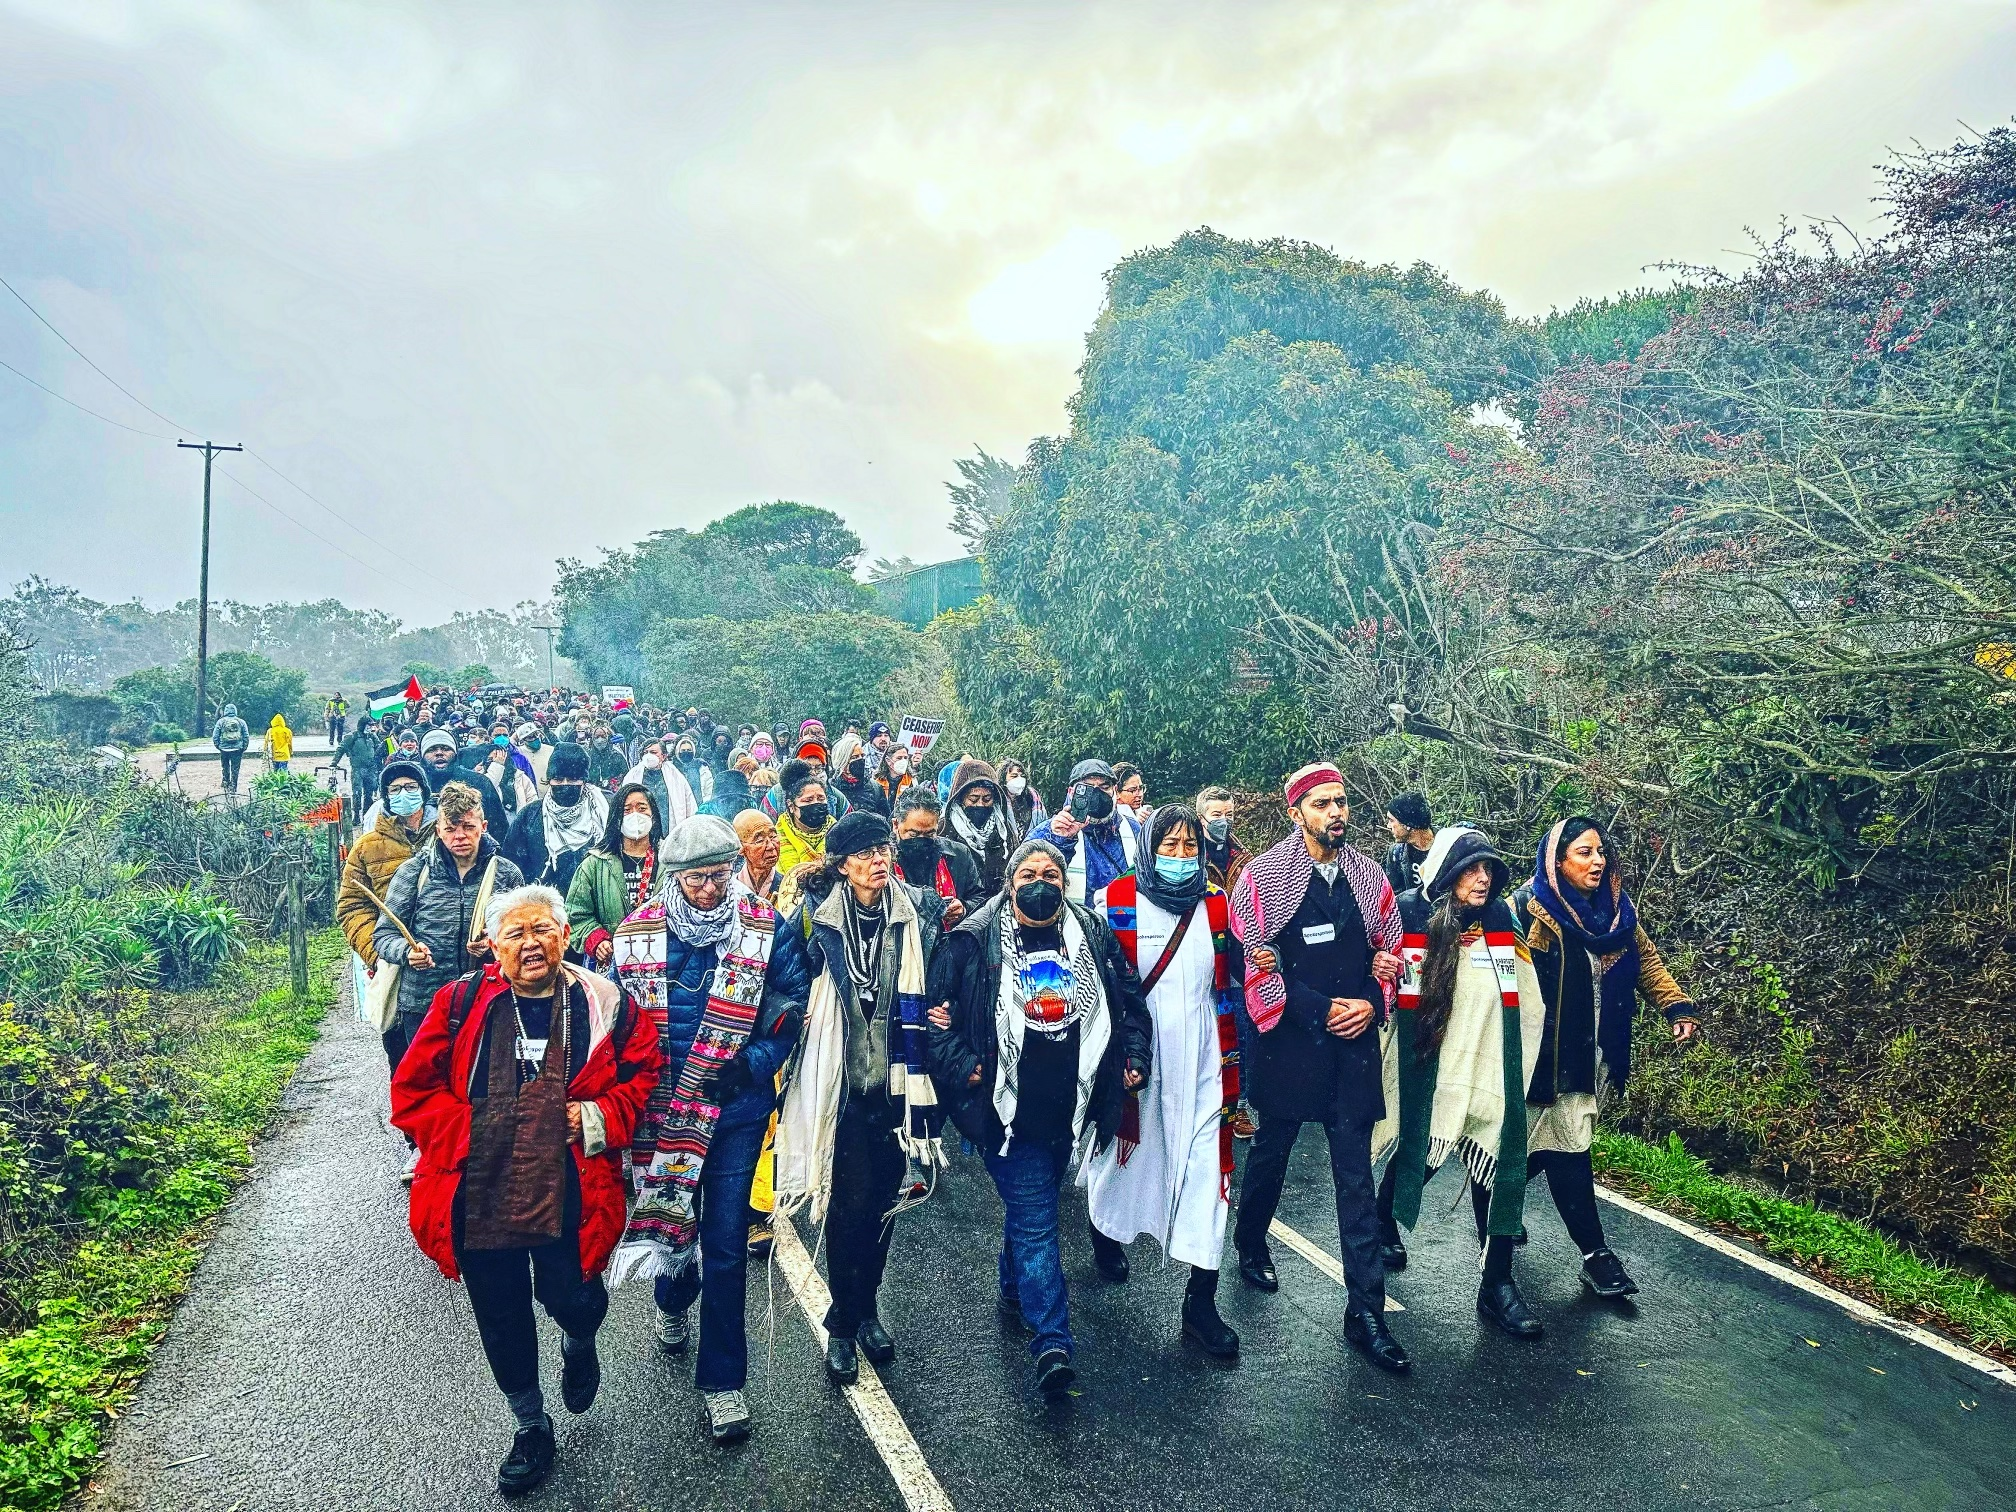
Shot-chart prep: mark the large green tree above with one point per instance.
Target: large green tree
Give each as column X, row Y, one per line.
column 836, row 665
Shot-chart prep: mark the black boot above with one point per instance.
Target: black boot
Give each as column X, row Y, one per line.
column 1200, row 1316
column 1369, row 1332
column 529, row 1463
column 1500, row 1303
column 1110, row 1255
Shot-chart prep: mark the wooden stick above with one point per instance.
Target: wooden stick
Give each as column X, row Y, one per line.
column 397, row 923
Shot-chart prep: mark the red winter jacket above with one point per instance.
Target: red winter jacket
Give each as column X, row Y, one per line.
column 430, row 1102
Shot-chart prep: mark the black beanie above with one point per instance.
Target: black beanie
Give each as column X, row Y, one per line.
column 859, row 830
column 568, row 762
column 1411, row 809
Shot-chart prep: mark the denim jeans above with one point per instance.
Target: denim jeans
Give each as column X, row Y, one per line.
column 1029, row 1178
column 721, row 1279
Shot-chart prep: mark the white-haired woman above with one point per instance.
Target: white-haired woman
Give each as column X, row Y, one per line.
column 522, row 1089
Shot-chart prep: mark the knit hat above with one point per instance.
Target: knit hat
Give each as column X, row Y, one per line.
column 877, row 728
column 1306, row 780
column 1031, row 847
column 1454, row 852
column 1411, row 809
column 568, row 763
column 859, row 830
column 1092, row 766
column 703, row 840
column 403, row 767
column 436, row 740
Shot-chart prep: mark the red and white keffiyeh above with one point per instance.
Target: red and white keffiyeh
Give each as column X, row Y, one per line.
column 1267, row 896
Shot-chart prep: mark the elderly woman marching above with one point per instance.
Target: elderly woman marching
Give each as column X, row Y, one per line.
column 1169, row 1173
column 700, row 963
column 860, row 1101
column 521, row 1089
column 1462, row 1050
column 1594, row 960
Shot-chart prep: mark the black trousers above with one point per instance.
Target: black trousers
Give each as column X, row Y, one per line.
column 1480, row 1200
column 1357, row 1208
column 502, row 1286
column 230, row 761
column 868, row 1168
column 1571, row 1178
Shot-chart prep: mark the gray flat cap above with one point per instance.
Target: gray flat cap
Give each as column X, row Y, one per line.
column 703, row 840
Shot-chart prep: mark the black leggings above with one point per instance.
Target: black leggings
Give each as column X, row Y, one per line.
column 1572, row 1180
column 1497, row 1247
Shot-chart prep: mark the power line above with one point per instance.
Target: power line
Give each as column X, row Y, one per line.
column 377, row 567
column 89, row 363
column 91, row 412
column 315, row 501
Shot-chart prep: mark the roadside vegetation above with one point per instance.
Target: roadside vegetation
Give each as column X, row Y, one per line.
column 145, row 1037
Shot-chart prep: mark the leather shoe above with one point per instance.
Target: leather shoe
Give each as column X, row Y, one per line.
column 1258, row 1272
column 843, row 1367
column 1010, row 1311
column 1605, row 1276
column 580, row 1377
column 1054, row 1374
column 529, row 1463
column 1393, row 1254
column 875, row 1342
column 1502, row 1304
column 1202, row 1324
column 1369, row 1332
column 1110, row 1255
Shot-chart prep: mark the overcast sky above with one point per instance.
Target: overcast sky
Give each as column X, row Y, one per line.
column 500, row 283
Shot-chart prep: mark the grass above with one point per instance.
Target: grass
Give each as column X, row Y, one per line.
column 1856, row 1258
column 101, row 1312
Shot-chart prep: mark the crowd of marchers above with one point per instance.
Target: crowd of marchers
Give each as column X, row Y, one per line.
column 646, row 981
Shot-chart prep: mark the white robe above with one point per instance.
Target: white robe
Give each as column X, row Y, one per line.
column 1170, row 1186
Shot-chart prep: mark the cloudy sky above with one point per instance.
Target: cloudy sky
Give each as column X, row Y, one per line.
column 499, row 283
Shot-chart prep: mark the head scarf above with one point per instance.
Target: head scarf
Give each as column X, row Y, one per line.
column 1148, row 881
column 1605, row 924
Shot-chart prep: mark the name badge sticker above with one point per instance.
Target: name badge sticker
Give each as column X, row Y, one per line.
column 532, row 1051
column 1319, row 934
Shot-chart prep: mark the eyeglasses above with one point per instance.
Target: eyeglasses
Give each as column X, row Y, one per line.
column 708, row 878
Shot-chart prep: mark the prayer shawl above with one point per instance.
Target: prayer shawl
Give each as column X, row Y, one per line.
column 1469, row 1097
column 1269, row 892
column 1606, row 926
column 1024, row 978
column 817, row 1087
column 572, row 828
column 678, row 1124
column 1121, row 899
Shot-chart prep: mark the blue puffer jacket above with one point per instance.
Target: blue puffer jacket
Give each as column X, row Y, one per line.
column 786, row 985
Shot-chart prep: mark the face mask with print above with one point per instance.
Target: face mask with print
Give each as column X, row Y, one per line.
column 636, row 826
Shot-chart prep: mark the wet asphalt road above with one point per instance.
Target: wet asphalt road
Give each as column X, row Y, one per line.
column 321, row 1362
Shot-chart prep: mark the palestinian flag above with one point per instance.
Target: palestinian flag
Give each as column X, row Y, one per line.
column 397, row 696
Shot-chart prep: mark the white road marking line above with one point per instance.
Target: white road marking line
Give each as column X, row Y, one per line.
column 1309, row 1250
column 868, row 1397
column 1854, row 1306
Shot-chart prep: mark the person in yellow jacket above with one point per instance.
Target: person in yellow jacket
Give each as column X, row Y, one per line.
column 802, row 823
column 279, row 744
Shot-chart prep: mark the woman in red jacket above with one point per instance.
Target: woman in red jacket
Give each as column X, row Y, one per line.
column 522, row 1089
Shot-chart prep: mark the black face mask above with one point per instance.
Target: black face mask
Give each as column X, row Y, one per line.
column 858, row 768
column 919, row 860
column 979, row 815
column 565, row 794
column 812, row 816
column 1039, row 901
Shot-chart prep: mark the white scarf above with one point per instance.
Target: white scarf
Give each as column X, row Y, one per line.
column 1088, row 1011
column 571, row 828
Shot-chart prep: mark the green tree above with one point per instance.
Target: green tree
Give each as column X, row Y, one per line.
column 981, row 496
column 835, row 665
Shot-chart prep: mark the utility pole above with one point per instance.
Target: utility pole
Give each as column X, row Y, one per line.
column 549, row 629
column 209, row 450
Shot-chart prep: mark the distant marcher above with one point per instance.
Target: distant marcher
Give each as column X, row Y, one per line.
column 677, row 800
column 732, row 796
column 230, row 736
column 852, row 777
column 1023, row 804
column 926, row 859
column 1594, row 960
column 1098, row 842
column 1224, row 859
column 523, row 1090
column 804, row 816
column 894, row 777
column 445, row 763
column 279, row 744
column 364, row 753
column 336, row 712
column 760, row 850
column 616, row 878
column 1412, row 827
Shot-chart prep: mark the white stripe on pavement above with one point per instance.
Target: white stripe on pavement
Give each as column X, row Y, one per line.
column 1854, row 1306
column 1309, row 1250
column 881, row 1421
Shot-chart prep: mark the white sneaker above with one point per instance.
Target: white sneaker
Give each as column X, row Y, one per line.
column 412, row 1165
column 727, row 1416
column 674, row 1335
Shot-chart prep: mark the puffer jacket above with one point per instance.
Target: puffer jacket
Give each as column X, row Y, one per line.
column 377, row 854
column 439, row 907
column 430, row 1104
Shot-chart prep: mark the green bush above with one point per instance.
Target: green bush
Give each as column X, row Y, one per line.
column 191, row 932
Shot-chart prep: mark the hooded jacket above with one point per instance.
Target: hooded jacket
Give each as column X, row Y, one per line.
column 375, row 857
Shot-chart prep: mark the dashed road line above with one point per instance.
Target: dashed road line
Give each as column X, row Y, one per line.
column 870, row 1400
column 1855, row 1307
column 1317, row 1256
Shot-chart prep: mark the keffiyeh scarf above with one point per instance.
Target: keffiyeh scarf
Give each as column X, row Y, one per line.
column 663, row 1235
column 1267, row 896
column 569, row 829
column 1047, row 992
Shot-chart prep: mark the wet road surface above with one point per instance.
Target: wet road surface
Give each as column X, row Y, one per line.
column 321, row 1362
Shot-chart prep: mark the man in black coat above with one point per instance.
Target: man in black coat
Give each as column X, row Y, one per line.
column 1065, row 1027
column 1316, row 962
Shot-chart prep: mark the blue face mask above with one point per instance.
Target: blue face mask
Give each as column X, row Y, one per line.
column 404, row 805
column 1175, row 870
